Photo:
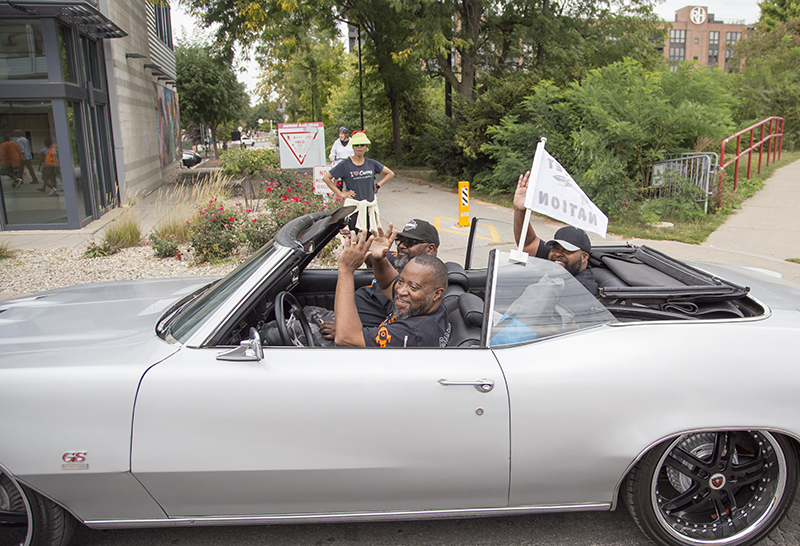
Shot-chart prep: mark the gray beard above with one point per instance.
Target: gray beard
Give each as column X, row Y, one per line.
column 414, row 310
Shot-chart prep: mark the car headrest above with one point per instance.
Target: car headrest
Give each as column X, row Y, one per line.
column 456, row 275
column 471, row 308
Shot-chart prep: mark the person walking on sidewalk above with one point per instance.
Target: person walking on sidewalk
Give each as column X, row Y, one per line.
column 360, row 187
column 10, row 160
column 341, row 149
column 27, row 156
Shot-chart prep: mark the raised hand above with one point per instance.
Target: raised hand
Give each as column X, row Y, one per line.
column 382, row 242
column 355, row 251
column 521, row 191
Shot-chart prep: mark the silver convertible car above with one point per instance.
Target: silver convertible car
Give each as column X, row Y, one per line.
column 156, row 403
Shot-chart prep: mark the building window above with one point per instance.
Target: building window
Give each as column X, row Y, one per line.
column 713, row 48
column 732, row 37
column 164, row 24
column 677, row 36
column 32, row 191
column 677, row 53
column 22, row 51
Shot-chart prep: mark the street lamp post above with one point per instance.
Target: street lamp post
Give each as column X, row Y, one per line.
column 360, row 72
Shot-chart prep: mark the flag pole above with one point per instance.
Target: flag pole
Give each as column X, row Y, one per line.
column 520, row 255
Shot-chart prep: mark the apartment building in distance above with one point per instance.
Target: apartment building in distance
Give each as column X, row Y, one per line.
column 697, row 35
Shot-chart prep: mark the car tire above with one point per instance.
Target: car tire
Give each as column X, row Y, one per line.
column 713, row 488
column 31, row 519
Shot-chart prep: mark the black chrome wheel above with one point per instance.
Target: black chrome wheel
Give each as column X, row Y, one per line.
column 28, row 519
column 713, row 488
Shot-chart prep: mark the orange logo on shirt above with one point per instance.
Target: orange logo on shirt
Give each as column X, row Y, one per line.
column 383, row 338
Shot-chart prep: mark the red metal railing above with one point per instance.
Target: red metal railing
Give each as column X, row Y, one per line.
column 774, row 126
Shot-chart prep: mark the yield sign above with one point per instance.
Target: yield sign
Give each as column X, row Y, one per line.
column 301, row 144
column 298, row 143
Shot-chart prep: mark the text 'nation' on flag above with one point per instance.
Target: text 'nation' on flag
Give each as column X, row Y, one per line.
column 553, row 192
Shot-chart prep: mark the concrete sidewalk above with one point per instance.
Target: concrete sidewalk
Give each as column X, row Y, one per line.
column 147, row 211
column 763, row 234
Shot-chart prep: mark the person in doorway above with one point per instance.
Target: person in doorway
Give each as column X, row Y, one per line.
column 10, row 160
column 358, row 174
column 49, row 168
column 341, row 149
column 27, row 156
column 569, row 248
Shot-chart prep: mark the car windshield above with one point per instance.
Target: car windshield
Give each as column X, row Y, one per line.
column 540, row 299
column 194, row 315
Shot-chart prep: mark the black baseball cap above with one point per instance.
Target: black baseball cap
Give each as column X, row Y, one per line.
column 420, row 230
column 571, row 239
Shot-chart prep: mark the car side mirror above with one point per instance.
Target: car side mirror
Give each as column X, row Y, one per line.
column 249, row 350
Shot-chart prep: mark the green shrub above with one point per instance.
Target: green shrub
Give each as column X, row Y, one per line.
column 104, row 248
column 248, row 162
column 214, row 232
column 164, row 245
column 257, row 231
column 289, row 201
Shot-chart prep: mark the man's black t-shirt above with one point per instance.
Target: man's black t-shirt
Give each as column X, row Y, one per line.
column 432, row 330
column 585, row 277
column 359, row 178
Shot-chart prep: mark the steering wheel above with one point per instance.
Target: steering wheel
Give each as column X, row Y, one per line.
column 283, row 320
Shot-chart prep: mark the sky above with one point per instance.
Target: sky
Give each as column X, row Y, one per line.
column 722, row 9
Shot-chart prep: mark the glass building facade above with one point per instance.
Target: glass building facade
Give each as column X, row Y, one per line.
column 57, row 164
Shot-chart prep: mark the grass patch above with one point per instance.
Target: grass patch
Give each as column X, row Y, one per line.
column 6, row 251
column 793, row 260
column 125, row 234
column 173, row 227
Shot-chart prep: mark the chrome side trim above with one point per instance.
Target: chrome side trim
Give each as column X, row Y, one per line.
column 351, row 517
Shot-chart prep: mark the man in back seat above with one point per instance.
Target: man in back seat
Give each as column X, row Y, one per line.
column 569, row 248
column 417, row 238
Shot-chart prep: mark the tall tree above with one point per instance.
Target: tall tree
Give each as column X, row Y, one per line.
column 301, row 69
column 387, row 26
column 773, row 11
column 210, row 95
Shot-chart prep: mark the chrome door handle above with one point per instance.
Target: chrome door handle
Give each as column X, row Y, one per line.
column 481, row 385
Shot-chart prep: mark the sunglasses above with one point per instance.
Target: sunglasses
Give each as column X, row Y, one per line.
column 408, row 243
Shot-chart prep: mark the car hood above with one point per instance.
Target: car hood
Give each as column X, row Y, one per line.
column 117, row 317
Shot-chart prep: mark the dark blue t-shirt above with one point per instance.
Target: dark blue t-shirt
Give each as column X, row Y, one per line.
column 359, row 178
column 431, row 330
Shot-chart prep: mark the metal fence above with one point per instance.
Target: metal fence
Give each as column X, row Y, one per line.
column 668, row 177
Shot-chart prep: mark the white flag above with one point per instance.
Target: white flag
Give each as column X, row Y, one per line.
column 553, row 192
